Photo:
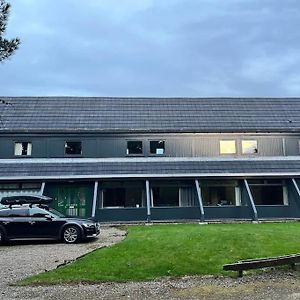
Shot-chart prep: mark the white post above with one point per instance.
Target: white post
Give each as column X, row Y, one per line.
column 198, row 189
column 148, row 201
column 95, row 199
column 42, row 188
column 251, row 200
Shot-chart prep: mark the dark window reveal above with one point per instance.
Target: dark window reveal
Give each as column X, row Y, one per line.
column 157, row 147
column 268, row 192
column 165, row 196
column 134, row 147
column 73, row 148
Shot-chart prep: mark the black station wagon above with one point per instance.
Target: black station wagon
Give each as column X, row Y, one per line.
column 29, row 217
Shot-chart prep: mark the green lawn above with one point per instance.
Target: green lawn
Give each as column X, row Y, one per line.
column 155, row 251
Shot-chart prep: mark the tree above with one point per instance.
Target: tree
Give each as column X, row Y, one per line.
column 7, row 47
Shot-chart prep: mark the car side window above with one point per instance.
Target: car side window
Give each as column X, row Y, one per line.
column 4, row 213
column 38, row 213
column 18, row 213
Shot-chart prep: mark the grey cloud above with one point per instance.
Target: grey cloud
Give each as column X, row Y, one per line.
column 154, row 48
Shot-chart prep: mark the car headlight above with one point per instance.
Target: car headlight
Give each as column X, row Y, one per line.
column 88, row 225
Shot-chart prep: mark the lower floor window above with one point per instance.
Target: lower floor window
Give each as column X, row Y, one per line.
column 216, row 193
column 122, row 197
column 165, row 196
column 268, row 192
column 119, row 194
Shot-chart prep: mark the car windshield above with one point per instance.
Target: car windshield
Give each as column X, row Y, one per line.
column 56, row 213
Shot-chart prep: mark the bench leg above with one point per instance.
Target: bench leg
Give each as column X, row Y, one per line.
column 240, row 273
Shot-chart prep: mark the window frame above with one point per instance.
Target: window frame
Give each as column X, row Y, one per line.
column 73, row 155
column 155, row 154
column 271, row 183
column 21, row 142
column 249, row 140
column 228, row 140
column 134, row 154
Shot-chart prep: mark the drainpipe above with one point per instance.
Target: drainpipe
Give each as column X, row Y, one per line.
column 148, row 201
column 95, row 199
column 255, row 217
column 198, row 189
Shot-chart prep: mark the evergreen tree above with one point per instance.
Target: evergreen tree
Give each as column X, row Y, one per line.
column 7, row 47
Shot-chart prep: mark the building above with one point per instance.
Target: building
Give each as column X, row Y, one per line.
column 139, row 159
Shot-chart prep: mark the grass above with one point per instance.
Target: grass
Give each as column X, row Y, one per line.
column 151, row 252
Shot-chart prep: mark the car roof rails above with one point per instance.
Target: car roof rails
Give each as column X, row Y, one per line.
column 25, row 199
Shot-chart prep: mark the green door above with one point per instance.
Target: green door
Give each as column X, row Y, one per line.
column 72, row 199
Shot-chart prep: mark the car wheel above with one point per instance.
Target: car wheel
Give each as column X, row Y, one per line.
column 71, row 234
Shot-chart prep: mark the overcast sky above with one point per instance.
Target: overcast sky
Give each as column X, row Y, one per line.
column 194, row 48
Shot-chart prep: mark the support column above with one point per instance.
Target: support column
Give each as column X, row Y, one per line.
column 42, row 188
column 198, row 189
column 95, row 199
column 255, row 217
column 295, row 185
column 148, row 201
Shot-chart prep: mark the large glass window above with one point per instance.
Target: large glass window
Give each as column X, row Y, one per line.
column 122, row 194
column 227, row 147
column 37, row 212
column 23, row 149
column 165, row 196
column 249, row 147
column 134, row 147
column 268, row 192
column 18, row 212
column 73, row 148
column 218, row 193
column 157, row 147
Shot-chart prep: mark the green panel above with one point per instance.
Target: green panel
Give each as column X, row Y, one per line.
column 72, row 199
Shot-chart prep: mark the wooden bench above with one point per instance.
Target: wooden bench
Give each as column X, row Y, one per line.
column 263, row 263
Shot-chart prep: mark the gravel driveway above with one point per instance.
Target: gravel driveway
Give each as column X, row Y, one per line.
column 20, row 260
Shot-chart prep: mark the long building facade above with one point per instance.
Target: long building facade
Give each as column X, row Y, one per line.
column 154, row 159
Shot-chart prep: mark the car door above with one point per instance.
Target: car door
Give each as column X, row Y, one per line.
column 17, row 224
column 43, row 225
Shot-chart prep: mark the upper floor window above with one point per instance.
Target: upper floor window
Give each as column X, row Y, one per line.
column 134, row 147
column 249, row 147
column 157, row 147
column 23, row 149
column 227, row 147
column 73, row 148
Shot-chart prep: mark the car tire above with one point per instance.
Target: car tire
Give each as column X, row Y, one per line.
column 71, row 234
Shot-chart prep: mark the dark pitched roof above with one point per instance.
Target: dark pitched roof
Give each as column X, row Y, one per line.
column 81, row 168
column 67, row 114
